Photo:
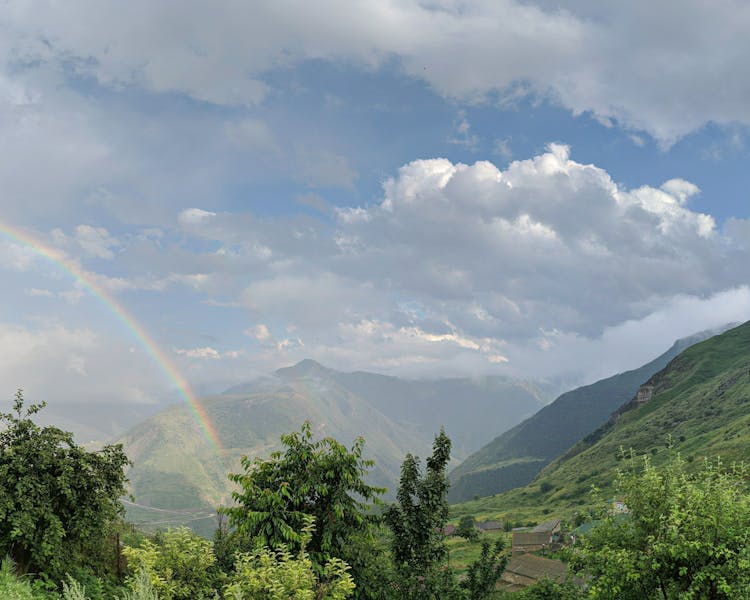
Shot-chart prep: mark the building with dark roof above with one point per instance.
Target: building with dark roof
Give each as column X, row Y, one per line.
column 490, row 525
column 527, row 569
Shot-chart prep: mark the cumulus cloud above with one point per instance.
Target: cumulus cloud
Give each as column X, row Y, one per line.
column 645, row 66
column 470, row 266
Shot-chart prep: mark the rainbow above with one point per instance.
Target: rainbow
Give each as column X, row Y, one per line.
column 87, row 281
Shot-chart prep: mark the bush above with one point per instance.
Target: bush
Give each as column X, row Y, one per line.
column 278, row 575
column 181, row 565
column 687, row 535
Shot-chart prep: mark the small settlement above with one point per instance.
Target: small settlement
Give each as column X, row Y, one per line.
column 524, row 568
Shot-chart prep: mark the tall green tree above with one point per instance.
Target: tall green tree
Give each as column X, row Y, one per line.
column 56, row 498
column 417, row 519
column 687, row 535
column 322, row 479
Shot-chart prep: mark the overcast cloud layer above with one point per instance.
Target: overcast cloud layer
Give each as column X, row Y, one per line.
column 649, row 65
column 259, row 183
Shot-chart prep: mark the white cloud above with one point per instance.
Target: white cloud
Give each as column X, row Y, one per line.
column 207, row 352
column 463, row 266
column 68, row 365
column 633, row 62
column 195, row 216
column 260, row 332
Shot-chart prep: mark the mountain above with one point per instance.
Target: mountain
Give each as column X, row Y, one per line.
column 516, row 456
column 699, row 405
column 178, row 471
column 472, row 410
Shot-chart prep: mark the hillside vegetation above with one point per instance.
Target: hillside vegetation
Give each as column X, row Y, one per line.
column 700, row 408
column 515, row 457
column 176, row 469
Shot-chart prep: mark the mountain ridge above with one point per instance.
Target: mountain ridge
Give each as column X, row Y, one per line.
column 515, row 457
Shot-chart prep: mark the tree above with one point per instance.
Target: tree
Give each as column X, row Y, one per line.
column 687, row 535
column 322, row 479
column 180, row 564
column 417, row 520
column 483, row 574
column 467, row 528
column 278, row 575
column 56, row 498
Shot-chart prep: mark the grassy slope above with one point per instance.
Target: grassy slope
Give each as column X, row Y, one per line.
column 175, row 468
column 515, row 457
column 701, row 403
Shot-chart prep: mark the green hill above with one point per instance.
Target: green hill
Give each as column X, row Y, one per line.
column 176, row 470
column 700, row 405
column 515, row 457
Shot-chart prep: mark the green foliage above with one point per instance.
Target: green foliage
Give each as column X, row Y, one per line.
column 180, row 565
column 687, row 536
column 278, row 575
column 417, row 520
column 12, row 588
column 140, row 587
column 72, row 590
column 467, row 528
column 483, row 575
column 322, row 479
column 368, row 554
column 56, row 498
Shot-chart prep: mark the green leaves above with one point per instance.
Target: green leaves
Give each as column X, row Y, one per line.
column 322, row 479
column 687, row 535
column 56, row 498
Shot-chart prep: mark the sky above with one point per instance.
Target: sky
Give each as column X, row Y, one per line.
column 422, row 188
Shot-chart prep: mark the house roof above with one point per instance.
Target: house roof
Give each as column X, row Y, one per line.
column 537, row 567
column 531, row 538
column 489, row 525
column 547, row 526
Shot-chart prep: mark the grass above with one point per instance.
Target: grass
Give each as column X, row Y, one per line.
column 700, row 408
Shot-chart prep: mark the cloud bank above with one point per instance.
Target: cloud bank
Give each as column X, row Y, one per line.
column 650, row 67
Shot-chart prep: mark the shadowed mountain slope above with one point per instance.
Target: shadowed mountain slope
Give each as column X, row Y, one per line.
column 515, row 457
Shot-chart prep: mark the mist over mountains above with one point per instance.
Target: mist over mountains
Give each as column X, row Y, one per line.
column 175, row 466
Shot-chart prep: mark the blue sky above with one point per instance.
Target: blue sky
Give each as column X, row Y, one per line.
column 405, row 187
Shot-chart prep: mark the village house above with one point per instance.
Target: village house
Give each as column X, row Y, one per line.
column 489, row 526
column 527, row 569
column 541, row 537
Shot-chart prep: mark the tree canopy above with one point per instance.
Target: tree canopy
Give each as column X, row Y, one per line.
column 322, row 479
column 56, row 497
column 687, row 535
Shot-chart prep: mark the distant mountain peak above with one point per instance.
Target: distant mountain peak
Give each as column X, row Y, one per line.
column 304, row 368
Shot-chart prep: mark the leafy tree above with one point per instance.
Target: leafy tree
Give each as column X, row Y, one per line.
column 687, row 535
column 483, row 574
column 322, row 479
column 278, row 575
column 467, row 528
column 180, row 564
column 56, row 498
column 368, row 554
column 417, row 520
